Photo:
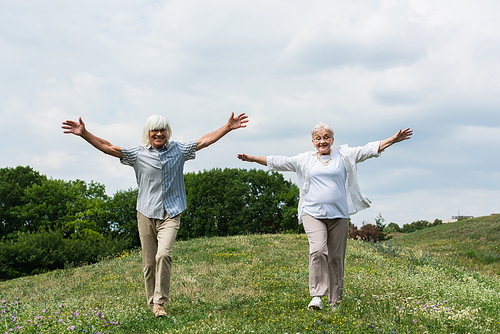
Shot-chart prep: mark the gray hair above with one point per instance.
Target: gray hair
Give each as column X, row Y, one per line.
column 320, row 126
column 155, row 122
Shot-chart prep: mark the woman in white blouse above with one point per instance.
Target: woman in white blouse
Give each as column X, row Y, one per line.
column 329, row 193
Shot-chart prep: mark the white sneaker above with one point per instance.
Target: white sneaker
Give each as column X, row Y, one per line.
column 316, row 303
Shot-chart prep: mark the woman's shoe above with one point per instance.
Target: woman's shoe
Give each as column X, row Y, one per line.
column 316, row 303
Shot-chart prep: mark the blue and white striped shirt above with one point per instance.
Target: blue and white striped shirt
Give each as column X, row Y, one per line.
column 160, row 177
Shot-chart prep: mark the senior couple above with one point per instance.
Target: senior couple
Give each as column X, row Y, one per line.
column 329, row 193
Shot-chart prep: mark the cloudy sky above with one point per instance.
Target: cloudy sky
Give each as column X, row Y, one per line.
column 366, row 67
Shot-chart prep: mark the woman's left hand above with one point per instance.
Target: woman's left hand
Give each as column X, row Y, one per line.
column 399, row 136
column 402, row 135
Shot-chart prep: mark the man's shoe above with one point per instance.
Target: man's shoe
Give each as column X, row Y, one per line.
column 159, row 311
column 316, row 303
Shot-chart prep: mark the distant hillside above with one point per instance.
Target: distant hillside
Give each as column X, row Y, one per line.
column 473, row 243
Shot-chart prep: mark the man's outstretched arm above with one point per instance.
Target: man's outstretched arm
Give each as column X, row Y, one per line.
column 78, row 129
column 232, row 124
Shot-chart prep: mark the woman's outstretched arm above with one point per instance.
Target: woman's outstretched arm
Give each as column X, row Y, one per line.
column 251, row 158
column 399, row 136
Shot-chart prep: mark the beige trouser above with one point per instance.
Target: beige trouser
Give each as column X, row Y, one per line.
column 157, row 240
column 327, row 245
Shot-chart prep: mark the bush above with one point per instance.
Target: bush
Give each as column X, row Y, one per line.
column 392, row 228
column 368, row 232
column 414, row 226
column 436, row 222
column 33, row 253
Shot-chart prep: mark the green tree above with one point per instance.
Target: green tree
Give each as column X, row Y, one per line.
column 13, row 183
column 74, row 206
column 46, row 223
column 436, row 222
column 414, row 226
column 379, row 221
column 123, row 215
column 391, row 228
column 236, row 201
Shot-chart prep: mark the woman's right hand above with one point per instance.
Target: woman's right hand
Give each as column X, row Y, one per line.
column 244, row 157
column 251, row 158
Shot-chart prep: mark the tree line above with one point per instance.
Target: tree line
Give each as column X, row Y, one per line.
column 412, row 227
column 47, row 223
column 380, row 231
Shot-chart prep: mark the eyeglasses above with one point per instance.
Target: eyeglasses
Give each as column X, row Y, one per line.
column 158, row 130
column 325, row 138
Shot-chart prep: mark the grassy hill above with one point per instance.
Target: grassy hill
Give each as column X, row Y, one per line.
column 473, row 243
column 258, row 284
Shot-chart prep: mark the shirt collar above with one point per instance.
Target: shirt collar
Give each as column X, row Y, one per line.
column 166, row 146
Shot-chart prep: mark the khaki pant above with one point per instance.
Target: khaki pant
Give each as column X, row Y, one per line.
column 327, row 245
column 157, row 240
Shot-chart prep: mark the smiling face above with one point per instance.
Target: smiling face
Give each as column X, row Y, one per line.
column 158, row 138
column 323, row 141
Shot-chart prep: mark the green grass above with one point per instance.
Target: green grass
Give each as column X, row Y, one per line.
column 472, row 243
column 257, row 284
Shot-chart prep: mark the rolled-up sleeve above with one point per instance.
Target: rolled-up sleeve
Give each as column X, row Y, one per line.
column 129, row 155
column 188, row 149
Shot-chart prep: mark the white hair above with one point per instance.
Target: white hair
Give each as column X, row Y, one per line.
column 320, row 126
column 155, row 122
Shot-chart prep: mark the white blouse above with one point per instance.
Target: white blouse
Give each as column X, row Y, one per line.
column 327, row 196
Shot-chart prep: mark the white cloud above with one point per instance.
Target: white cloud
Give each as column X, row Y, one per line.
column 476, row 135
column 53, row 160
column 370, row 44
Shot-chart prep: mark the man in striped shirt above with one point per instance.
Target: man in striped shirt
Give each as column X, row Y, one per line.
column 158, row 165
